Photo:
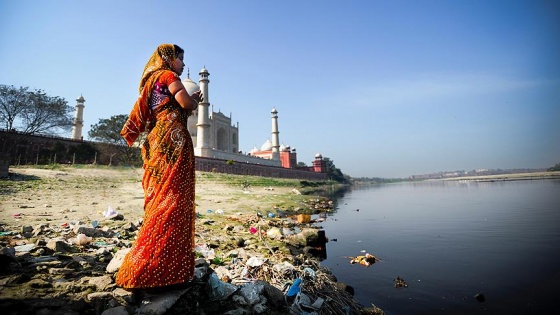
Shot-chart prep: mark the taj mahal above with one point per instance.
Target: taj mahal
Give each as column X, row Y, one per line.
column 214, row 136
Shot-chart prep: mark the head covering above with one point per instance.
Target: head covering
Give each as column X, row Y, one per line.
column 161, row 59
column 141, row 116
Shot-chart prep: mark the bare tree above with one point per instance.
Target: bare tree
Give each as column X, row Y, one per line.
column 12, row 103
column 33, row 111
column 46, row 114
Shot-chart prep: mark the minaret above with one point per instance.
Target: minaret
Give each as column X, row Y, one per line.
column 78, row 119
column 275, row 137
column 203, row 125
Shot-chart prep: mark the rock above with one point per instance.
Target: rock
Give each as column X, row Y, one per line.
column 59, row 246
column 220, row 290
column 117, row 260
column 123, row 295
column 119, row 310
column 251, row 292
column 238, row 311
column 344, row 287
column 260, row 308
column 160, row 303
column 272, row 294
column 86, row 230
column 38, row 283
column 61, row 271
column 311, row 251
column 101, row 283
column 99, row 295
column 239, row 300
column 310, row 236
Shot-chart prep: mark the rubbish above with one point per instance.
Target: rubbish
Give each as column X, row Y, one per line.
column 209, row 211
column 302, row 305
column 318, row 303
column 294, row 288
column 271, row 215
column 24, row 248
column 205, row 251
column 94, row 224
column 304, row 218
column 82, row 239
column 309, row 272
column 253, row 230
column 254, row 261
column 110, row 212
column 220, row 211
column 274, row 233
column 400, row 283
column 364, row 260
column 480, row 297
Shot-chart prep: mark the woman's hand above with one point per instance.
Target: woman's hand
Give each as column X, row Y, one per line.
column 198, row 96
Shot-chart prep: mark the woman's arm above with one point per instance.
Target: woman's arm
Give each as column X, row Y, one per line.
column 183, row 98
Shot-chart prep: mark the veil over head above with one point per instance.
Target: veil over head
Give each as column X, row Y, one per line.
column 141, row 116
column 161, row 59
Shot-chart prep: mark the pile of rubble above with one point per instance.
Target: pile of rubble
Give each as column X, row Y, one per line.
column 249, row 264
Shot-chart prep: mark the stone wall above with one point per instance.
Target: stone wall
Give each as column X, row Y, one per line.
column 24, row 149
column 239, row 168
column 21, row 149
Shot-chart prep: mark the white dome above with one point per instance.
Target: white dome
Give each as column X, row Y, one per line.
column 190, row 86
column 267, row 146
column 318, row 156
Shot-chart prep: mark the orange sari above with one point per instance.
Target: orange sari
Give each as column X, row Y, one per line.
column 163, row 253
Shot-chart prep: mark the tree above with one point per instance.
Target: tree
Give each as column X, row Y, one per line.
column 108, row 131
column 334, row 173
column 46, row 114
column 12, row 104
column 33, row 111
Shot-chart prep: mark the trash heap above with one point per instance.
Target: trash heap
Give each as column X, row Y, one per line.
column 248, row 264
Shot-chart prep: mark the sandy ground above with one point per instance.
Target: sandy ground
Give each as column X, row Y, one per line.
column 32, row 196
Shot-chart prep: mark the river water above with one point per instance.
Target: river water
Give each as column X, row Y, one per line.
column 451, row 241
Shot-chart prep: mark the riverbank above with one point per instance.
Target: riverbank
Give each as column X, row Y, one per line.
column 59, row 246
column 508, row 177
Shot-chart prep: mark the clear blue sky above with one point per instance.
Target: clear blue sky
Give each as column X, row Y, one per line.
column 383, row 88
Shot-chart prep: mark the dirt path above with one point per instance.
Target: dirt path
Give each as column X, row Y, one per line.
column 34, row 196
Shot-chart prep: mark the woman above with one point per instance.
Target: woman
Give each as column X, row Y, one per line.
column 163, row 253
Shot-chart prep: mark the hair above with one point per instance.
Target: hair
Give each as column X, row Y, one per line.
column 178, row 50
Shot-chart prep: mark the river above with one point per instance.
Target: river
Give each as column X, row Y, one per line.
column 450, row 241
